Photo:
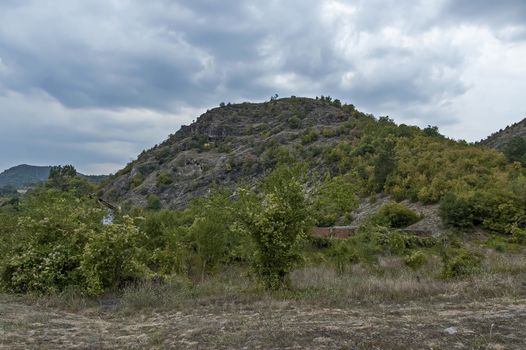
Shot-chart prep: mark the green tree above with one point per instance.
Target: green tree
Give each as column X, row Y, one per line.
column 515, row 150
column 65, row 178
column 384, row 165
column 278, row 219
column 335, row 198
column 153, row 202
column 456, row 211
column 211, row 230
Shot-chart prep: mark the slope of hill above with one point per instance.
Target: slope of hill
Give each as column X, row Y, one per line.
column 242, row 142
column 27, row 175
column 23, row 175
column 227, row 145
column 500, row 138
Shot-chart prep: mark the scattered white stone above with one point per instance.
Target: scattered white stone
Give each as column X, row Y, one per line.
column 451, row 330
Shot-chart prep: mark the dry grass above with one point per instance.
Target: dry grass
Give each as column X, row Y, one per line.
column 387, row 305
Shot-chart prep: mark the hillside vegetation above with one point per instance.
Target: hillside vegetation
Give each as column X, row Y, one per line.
column 24, row 176
column 257, row 178
column 357, row 152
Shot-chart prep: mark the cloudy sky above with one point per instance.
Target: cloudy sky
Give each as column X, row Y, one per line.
column 95, row 82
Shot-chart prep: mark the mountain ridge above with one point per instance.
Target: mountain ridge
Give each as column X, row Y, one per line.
column 25, row 175
column 499, row 139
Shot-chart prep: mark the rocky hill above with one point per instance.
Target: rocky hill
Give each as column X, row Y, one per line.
column 499, row 139
column 241, row 143
column 233, row 143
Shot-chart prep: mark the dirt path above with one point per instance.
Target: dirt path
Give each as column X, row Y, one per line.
column 494, row 324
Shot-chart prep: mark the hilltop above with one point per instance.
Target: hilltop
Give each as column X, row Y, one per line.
column 232, row 143
column 25, row 175
column 240, row 143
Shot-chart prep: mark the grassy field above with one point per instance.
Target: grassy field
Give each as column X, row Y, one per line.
column 385, row 306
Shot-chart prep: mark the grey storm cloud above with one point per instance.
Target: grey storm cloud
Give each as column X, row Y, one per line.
column 107, row 78
column 503, row 12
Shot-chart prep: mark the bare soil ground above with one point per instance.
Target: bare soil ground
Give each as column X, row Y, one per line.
column 496, row 323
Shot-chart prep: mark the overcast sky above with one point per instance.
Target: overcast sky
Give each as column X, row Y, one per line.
column 94, row 82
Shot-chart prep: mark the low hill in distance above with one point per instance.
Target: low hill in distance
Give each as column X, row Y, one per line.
column 28, row 175
column 24, row 175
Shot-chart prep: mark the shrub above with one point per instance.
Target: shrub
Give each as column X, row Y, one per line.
column 216, row 241
column 335, row 199
column 518, row 235
column 320, row 242
column 137, row 180
column 456, row 211
column 164, row 179
column 416, row 259
column 61, row 244
column 309, row 136
column 278, row 220
column 395, row 215
column 462, row 263
column 50, row 235
column 342, row 255
column 515, row 150
column 294, row 122
column 153, row 202
column 110, row 257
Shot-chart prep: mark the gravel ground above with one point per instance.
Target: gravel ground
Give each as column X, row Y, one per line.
column 492, row 324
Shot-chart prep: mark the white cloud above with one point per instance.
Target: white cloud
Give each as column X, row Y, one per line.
column 93, row 83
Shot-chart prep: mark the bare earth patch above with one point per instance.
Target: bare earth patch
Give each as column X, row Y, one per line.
column 269, row 324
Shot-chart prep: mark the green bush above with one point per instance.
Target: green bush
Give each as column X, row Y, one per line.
column 278, row 220
column 416, row 259
column 343, row 254
column 164, row 179
column 456, row 211
column 294, row 122
column 309, row 136
column 335, row 199
column 137, row 180
column 461, row 262
column 395, row 215
column 518, row 235
column 216, row 240
column 62, row 244
column 110, row 257
column 515, row 150
column 153, row 202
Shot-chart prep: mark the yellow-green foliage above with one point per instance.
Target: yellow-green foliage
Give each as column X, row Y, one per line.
column 461, row 262
column 422, row 165
column 52, row 229
column 335, row 199
column 416, row 259
column 277, row 219
column 395, row 215
column 110, row 257
column 428, row 168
